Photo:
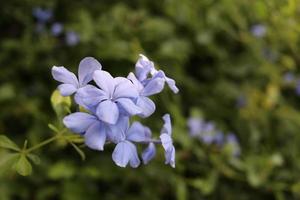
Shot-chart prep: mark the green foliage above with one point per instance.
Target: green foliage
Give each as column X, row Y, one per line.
column 207, row 46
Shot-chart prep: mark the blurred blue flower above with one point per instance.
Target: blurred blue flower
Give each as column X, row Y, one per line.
column 232, row 140
column 259, row 30
column 115, row 97
column 69, row 81
column 289, row 77
column 195, row 126
column 72, row 38
column 42, row 15
column 57, row 28
column 297, row 89
column 167, row 142
column 241, row 101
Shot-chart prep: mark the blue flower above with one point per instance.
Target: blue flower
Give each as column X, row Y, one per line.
column 167, row 142
column 69, row 81
column 42, row 15
column 115, row 96
column 297, row 89
column 232, row 140
column 143, row 101
column 288, row 77
column 72, row 38
column 125, row 151
column 195, row 126
column 149, row 153
column 144, row 68
column 95, row 131
column 56, row 28
column 259, row 30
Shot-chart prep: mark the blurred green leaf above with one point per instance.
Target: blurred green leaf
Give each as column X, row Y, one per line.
column 23, row 166
column 5, row 142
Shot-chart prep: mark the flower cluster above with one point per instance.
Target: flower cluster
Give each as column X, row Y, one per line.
column 44, row 17
column 209, row 134
column 110, row 102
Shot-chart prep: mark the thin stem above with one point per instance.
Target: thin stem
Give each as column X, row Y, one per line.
column 42, row 143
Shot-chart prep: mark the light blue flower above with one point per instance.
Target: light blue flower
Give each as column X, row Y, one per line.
column 146, row 72
column 72, row 38
column 149, row 153
column 70, row 83
column 143, row 101
column 56, row 28
column 116, row 96
column 195, row 126
column 232, row 140
column 42, row 15
column 125, row 151
column 167, row 142
column 259, row 30
column 95, row 131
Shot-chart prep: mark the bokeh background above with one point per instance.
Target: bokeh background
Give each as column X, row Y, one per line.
column 236, row 64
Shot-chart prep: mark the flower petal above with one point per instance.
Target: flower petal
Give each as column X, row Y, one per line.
column 137, row 84
column 154, row 86
column 149, row 153
column 143, row 67
column 95, row 136
column 147, row 106
column 125, row 88
column 79, row 122
column 91, row 95
column 138, row 133
column 167, row 127
column 105, row 81
column 166, row 141
column 87, row 66
column 66, row 89
column 129, row 106
column 116, row 133
column 170, row 156
column 63, row 75
column 108, row 112
column 172, row 85
column 122, row 154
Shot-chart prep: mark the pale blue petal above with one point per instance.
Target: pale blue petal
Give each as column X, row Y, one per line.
column 129, row 106
column 95, row 136
column 138, row 133
column 166, row 141
column 66, row 89
column 137, row 84
column 108, row 112
column 125, row 89
column 105, row 81
column 87, row 66
column 117, row 132
column 79, row 122
column 167, row 127
column 170, row 156
column 143, row 67
column 91, row 95
column 134, row 160
column 121, row 154
column 149, row 153
column 154, row 86
column 172, row 85
column 147, row 106
column 63, row 75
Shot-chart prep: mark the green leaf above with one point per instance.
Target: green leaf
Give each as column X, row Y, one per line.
column 53, row 128
column 34, row 158
column 6, row 143
column 79, row 151
column 7, row 160
column 23, row 166
column 60, row 104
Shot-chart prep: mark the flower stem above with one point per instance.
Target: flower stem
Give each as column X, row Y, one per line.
column 42, row 143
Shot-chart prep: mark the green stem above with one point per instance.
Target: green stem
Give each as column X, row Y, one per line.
column 42, row 143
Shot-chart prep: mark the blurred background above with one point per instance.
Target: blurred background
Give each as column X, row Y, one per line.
column 236, row 118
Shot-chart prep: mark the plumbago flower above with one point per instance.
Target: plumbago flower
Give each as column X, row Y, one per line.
column 110, row 103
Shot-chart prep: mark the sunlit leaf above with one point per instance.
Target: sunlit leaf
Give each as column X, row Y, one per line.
column 5, row 142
